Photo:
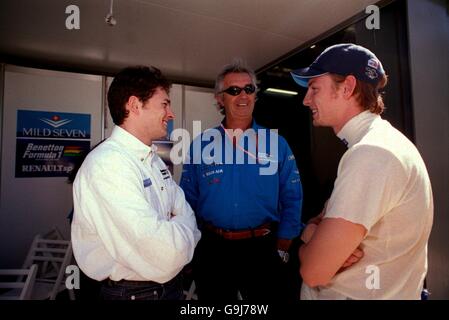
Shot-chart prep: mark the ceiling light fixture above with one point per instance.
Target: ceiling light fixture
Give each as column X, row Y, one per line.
column 110, row 20
column 280, row 91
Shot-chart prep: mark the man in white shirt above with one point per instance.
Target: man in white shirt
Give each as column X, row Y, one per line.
column 382, row 198
column 132, row 226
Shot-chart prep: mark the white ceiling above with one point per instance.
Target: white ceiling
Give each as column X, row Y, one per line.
column 187, row 39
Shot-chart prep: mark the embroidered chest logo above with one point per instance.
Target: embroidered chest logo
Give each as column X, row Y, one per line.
column 165, row 174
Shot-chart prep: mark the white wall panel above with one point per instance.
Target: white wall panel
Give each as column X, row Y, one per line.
column 200, row 105
column 35, row 205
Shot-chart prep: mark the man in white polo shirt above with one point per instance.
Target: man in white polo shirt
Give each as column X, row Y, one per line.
column 132, row 226
column 382, row 198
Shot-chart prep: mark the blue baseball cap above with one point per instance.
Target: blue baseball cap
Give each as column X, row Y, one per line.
column 343, row 59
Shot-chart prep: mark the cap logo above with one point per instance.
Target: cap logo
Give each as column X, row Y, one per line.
column 344, row 59
column 373, row 63
column 371, row 73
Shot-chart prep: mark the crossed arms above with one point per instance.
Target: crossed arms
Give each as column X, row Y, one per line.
column 331, row 245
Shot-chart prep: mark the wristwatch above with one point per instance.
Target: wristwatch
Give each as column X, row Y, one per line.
column 284, row 256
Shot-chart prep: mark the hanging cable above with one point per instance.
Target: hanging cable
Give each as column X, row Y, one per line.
column 110, row 20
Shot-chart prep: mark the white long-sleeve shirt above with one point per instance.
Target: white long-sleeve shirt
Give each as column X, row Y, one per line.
column 131, row 220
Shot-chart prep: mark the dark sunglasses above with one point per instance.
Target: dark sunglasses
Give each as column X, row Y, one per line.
column 235, row 91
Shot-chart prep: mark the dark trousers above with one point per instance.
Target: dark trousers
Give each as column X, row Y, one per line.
column 89, row 288
column 142, row 290
column 251, row 266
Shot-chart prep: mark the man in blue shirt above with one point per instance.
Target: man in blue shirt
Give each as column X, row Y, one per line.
column 243, row 183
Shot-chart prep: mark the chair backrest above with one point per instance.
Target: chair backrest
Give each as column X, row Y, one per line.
column 17, row 290
column 52, row 257
column 54, row 234
column 190, row 293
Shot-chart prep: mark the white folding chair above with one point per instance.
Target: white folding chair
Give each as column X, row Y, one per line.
column 190, row 294
column 11, row 289
column 54, row 234
column 52, row 257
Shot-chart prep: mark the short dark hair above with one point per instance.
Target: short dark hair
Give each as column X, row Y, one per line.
column 139, row 81
column 368, row 95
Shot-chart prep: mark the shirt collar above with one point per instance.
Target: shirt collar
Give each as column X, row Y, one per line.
column 354, row 130
column 132, row 144
column 254, row 125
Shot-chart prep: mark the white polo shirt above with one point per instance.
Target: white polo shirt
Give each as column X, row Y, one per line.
column 382, row 184
column 131, row 220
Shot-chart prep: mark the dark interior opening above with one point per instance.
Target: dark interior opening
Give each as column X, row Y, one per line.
column 318, row 150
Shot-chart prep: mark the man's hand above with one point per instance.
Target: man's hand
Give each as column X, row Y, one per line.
column 316, row 220
column 334, row 241
column 308, row 232
column 284, row 244
column 312, row 224
column 353, row 258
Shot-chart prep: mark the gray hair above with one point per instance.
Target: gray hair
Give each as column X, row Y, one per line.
column 237, row 66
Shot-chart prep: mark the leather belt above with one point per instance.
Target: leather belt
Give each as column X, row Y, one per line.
column 260, row 231
column 133, row 283
column 138, row 283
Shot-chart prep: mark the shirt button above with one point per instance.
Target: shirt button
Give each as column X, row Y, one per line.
column 162, row 188
column 236, row 204
column 141, row 159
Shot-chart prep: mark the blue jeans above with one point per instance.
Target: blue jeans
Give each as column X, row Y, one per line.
column 142, row 290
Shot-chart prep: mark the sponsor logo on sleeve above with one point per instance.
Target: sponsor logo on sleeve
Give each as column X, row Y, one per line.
column 147, row 183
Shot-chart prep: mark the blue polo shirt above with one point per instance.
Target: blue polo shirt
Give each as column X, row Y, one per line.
column 243, row 184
